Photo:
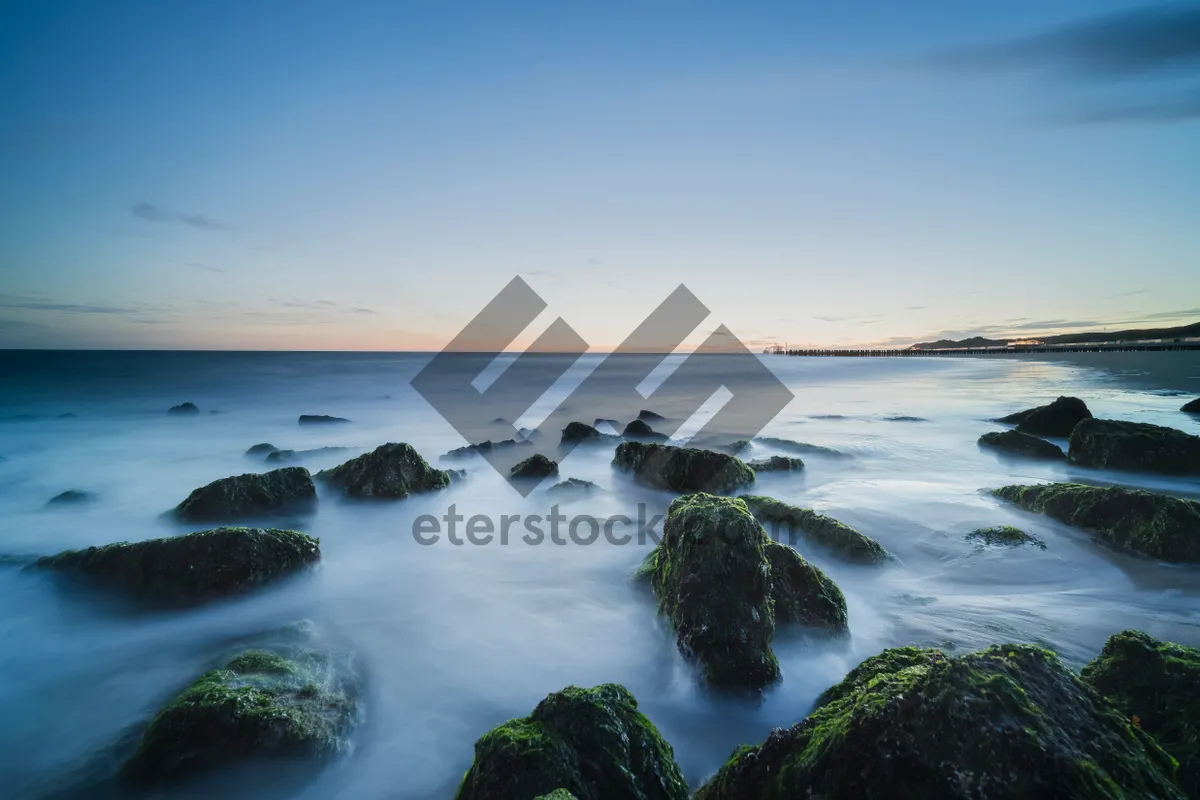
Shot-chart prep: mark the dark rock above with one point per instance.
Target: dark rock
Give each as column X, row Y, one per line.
column 456, row 475
column 536, row 466
column 1192, row 407
column 320, row 419
column 580, row 432
column 1008, row 722
column 585, row 743
column 1155, row 525
column 499, row 421
column 602, row 421
column 184, row 408
column 1110, row 444
column 574, row 487
column 825, row 532
column 485, row 447
column 638, row 429
column 776, row 464
column 682, row 469
column 262, row 449
column 650, row 416
column 390, row 471
column 250, row 494
column 722, row 582
column 1022, row 444
column 71, row 497
column 1003, row 536
column 904, row 418
column 294, row 456
column 261, row 704
column 1056, row 419
column 1154, row 684
column 191, row 569
column 803, row 448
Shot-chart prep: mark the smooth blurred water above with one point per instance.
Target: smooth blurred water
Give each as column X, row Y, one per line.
column 456, row 639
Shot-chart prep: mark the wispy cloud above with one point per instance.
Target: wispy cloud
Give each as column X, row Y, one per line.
column 155, row 213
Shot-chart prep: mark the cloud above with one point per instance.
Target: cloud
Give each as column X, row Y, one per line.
column 155, row 213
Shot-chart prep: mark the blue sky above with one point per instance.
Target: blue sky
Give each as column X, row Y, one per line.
column 368, row 175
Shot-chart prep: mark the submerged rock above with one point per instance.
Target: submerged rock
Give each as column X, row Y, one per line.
column 574, row 487
column 391, row 471
column 285, row 705
column 1156, row 525
column 826, row 532
column 293, row 456
column 184, row 408
column 261, row 449
column 584, row 743
column 776, row 464
column 320, row 419
column 1112, row 444
column 638, row 429
column 1192, row 407
column 1008, row 722
column 71, row 497
column 1055, row 419
column 246, row 495
column 486, row 446
column 191, row 569
column 682, row 469
column 1022, row 444
column 580, row 432
column 536, row 466
column 1003, row 536
column 804, row 448
column 1154, row 684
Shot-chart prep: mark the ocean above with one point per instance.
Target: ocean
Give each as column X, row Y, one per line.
column 455, row 639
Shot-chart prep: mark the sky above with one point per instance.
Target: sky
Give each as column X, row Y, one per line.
column 367, row 176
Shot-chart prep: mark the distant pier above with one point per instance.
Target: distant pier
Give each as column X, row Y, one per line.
column 1144, row 345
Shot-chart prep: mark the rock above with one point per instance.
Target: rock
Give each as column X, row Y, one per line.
column 1110, row 444
column 261, row 449
column 650, row 416
column 682, row 469
column 320, row 419
column 456, row 475
column 1056, row 419
column 1022, row 444
column 261, row 704
column 802, row 593
column 904, row 418
column 391, row 471
column 776, row 464
column 71, row 497
column 585, row 743
column 184, row 408
column 574, row 487
column 485, row 447
column 557, row 794
column 536, row 466
column 602, row 421
column 825, row 532
column 1008, row 722
column 638, row 429
column 1003, row 536
column 791, row 446
column 1153, row 684
column 294, row 456
column 1155, row 525
column 191, row 569
column 1192, row 407
column 576, row 432
column 286, row 489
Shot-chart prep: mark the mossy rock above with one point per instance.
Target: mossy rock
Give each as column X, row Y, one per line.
column 486, row 446
column 557, row 794
column 911, row 724
column 1003, row 536
column 1157, row 686
column 639, row 429
column 802, row 594
column 1113, row 444
column 1054, row 419
column 389, row 472
column 280, row 490
column 1022, row 444
column 262, row 449
column 682, row 469
column 261, row 704
column 591, row 744
column 577, row 432
column 574, row 487
column 803, row 448
column 192, row 569
column 536, row 466
column 777, row 464
column 1155, row 525
column 826, row 532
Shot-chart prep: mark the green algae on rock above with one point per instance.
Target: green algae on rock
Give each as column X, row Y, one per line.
column 251, row 494
column 191, row 569
column 577, row 432
column 1155, row 525
column 557, row 794
column 574, row 487
column 912, row 724
column 1054, row 419
column 682, row 469
column 1155, row 684
column 839, row 539
column 391, row 472
column 536, row 466
column 776, row 464
column 261, row 704
column 590, row 744
column 1003, row 536
column 1022, row 444
column 1113, row 444
column 802, row 594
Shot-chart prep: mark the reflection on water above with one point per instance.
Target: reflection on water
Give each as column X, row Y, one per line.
column 458, row 638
